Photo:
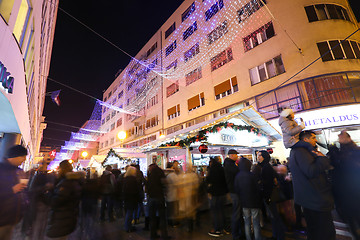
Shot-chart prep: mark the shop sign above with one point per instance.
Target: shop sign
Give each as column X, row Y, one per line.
column 228, row 138
column 327, row 117
column 6, row 80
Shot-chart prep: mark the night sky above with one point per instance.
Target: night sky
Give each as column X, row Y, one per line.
column 88, row 63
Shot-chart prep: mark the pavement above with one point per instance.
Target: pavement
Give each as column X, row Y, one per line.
column 92, row 229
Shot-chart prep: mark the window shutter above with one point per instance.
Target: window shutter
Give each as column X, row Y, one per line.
column 171, row 111
column 233, row 81
column 323, row 48
column 222, row 87
column 311, row 13
column 193, row 102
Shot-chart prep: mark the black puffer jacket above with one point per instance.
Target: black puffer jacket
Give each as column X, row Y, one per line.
column 267, row 182
column 64, row 206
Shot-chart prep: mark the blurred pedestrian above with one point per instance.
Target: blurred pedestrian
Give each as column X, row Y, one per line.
column 156, row 200
column 11, row 190
column 131, row 193
column 64, row 202
column 107, row 185
column 172, row 191
column 268, row 182
column 312, row 190
column 217, row 190
column 346, row 181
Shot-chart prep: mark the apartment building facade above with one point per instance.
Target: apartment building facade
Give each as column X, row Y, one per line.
column 26, row 39
column 211, row 57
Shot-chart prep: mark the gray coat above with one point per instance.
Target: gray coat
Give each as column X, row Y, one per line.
column 312, row 189
column 290, row 130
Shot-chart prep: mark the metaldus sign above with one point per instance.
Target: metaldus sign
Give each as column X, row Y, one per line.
column 327, row 117
column 6, row 80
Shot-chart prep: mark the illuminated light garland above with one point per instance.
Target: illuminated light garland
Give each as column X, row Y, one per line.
column 138, row 71
column 202, row 136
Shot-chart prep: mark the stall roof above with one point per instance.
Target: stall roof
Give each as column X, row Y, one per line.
column 248, row 115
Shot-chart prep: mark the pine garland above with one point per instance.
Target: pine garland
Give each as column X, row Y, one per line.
column 112, row 152
column 202, row 135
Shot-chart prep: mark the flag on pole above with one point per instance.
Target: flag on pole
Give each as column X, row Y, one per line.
column 55, row 97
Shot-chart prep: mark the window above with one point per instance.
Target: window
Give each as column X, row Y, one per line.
column 151, row 65
column 103, row 122
column 120, row 94
column 152, row 101
column 111, row 141
column 221, row 59
column 105, row 99
column 169, row 31
column 218, row 32
column 170, row 48
column 106, row 143
column 339, row 50
column 191, row 52
column 151, row 50
column 113, row 114
column 112, row 127
column 193, row 76
column 172, row 89
column 196, row 102
column 226, row 88
column 172, row 65
column 6, row 8
column 110, row 93
column 107, row 118
column 188, row 12
column 173, row 112
column 267, row 70
column 119, row 122
column 320, row 12
column 21, row 20
column 249, row 8
column 189, row 31
column 213, row 10
column 152, row 122
column 259, row 36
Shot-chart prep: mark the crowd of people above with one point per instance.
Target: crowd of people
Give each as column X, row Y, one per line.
column 298, row 195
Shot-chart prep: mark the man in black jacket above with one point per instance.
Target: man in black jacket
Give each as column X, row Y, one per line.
column 11, row 198
column 311, row 187
column 231, row 170
column 217, row 190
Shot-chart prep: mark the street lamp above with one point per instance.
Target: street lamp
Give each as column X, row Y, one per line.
column 84, row 154
column 121, row 136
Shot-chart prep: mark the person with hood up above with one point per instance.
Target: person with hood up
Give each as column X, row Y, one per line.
column 246, row 187
column 217, row 190
column 64, row 202
column 289, row 127
column 11, row 190
column 312, row 190
column 107, row 184
column 268, row 180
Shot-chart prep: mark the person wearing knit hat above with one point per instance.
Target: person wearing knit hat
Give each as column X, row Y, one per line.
column 11, row 199
column 289, row 127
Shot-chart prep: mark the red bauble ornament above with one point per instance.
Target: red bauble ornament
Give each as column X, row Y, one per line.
column 203, row 148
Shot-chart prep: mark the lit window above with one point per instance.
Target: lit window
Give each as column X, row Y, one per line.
column 249, row 8
column 267, row 70
column 188, row 12
column 221, row 59
column 259, row 36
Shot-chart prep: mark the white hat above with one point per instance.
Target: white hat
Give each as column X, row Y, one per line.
column 286, row 112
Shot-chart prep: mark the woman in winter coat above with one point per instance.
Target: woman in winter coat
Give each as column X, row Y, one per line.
column 289, row 127
column 131, row 193
column 64, row 202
